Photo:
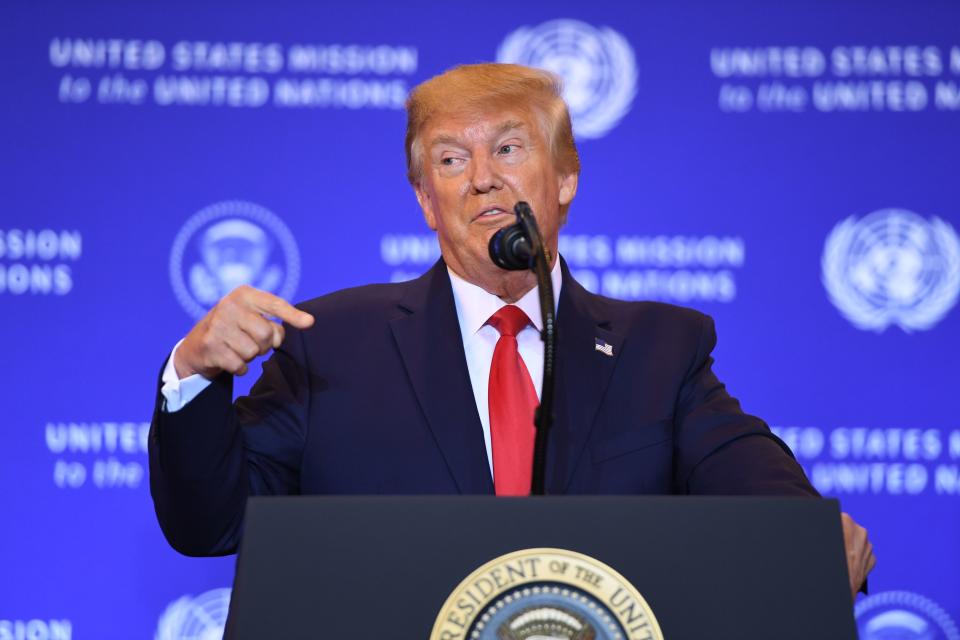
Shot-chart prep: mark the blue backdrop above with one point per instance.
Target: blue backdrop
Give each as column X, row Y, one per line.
column 789, row 169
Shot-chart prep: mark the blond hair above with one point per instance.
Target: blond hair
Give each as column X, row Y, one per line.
column 475, row 89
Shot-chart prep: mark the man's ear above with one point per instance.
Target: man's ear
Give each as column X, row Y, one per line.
column 568, row 188
column 423, row 198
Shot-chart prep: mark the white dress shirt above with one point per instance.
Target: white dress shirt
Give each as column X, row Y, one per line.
column 474, row 308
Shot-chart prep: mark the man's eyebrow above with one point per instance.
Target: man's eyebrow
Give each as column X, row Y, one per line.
column 445, row 138
column 507, row 126
column 503, row 127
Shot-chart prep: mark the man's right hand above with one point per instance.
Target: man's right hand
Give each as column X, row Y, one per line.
column 236, row 331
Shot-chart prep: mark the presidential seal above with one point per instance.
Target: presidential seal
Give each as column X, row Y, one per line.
column 545, row 594
column 229, row 244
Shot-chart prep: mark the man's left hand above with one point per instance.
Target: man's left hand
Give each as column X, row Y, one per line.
column 860, row 558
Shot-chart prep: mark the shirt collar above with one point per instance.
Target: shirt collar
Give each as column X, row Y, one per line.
column 475, row 305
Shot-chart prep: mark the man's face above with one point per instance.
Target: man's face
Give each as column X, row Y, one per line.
column 475, row 169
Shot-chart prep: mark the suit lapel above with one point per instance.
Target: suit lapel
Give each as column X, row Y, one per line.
column 428, row 338
column 583, row 375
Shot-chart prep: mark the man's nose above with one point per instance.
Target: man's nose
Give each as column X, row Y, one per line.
column 484, row 176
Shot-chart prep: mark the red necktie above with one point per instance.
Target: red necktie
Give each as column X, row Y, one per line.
column 512, row 402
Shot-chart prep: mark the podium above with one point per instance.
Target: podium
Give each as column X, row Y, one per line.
column 551, row 567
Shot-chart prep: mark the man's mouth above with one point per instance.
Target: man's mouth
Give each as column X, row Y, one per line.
column 491, row 212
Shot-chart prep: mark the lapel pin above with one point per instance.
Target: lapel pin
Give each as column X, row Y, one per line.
column 603, row 347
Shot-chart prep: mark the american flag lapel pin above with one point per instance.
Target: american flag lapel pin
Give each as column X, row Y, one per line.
column 603, row 347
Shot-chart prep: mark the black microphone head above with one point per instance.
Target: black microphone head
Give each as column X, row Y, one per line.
column 510, row 250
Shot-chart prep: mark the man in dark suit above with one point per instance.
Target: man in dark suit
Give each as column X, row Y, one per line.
column 429, row 386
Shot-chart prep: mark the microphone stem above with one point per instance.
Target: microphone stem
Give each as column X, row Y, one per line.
column 543, row 418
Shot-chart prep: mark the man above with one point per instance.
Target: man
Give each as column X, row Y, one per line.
column 429, row 386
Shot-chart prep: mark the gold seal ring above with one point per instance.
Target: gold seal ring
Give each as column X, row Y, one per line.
column 543, row 591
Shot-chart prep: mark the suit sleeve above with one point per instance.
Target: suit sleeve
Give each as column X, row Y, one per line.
column 207, row 458
column 722, row 450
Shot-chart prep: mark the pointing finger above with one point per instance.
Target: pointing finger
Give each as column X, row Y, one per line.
column 270, row 304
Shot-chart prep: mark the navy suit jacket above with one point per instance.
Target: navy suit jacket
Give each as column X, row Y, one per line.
column 375, row 398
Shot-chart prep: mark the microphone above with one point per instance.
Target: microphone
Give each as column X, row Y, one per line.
column 517, row 248
column 509, row 247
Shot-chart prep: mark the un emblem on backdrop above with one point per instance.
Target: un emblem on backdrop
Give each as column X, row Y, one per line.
column 902, row 615
column 597, row 65
column 229, row 244
column 546, row 594
column 892, row 267
column 200, row 618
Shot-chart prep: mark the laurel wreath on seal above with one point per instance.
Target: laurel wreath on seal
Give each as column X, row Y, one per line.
column 865, row 315
column 606, row 112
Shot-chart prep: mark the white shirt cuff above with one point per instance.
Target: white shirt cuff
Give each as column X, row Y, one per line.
column 176, row 391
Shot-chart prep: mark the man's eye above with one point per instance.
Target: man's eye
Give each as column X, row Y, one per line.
column 507, row 149
column 447, row 161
